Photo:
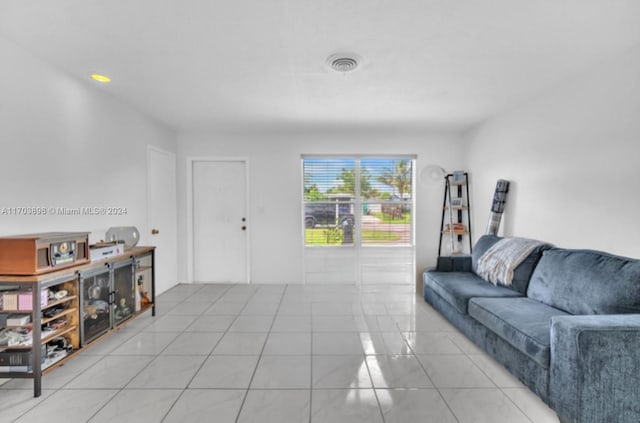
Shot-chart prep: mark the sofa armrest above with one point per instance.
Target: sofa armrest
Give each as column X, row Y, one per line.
column 595, row 368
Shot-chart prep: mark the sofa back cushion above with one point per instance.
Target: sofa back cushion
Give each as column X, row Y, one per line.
column 587, row 282
column 482, row 245
column 522, row 273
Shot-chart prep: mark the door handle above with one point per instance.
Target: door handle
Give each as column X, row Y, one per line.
column 155, row 231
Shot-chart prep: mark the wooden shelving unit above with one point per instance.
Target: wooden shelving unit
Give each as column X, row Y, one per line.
column 456, row 216
column 68, row 316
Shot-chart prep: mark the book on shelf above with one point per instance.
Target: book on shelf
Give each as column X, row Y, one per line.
column 457, row 176
column 18, row 319
column 457, row 227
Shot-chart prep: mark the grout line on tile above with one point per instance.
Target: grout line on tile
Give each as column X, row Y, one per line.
column 264, row 344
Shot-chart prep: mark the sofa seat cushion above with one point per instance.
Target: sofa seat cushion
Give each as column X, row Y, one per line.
column 522, row 322
column 587, row 282
column 456, row 288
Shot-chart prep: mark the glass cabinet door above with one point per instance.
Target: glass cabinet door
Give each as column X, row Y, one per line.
column 95, row 311
column 124, row 292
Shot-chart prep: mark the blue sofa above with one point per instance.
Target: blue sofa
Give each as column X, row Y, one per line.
column 568, row 326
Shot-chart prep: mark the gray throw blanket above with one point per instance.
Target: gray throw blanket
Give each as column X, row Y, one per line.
column 499, row 262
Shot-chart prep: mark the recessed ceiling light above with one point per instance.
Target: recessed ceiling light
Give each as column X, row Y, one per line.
column 343, row 62
column 100, row 78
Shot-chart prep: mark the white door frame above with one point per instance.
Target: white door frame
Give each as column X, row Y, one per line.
column 156, row 149
column 190, row 223
column 147, row 238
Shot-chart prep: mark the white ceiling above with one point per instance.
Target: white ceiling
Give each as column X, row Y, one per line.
column 203, row 64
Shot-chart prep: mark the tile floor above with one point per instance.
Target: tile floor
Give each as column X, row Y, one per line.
column 280, row 353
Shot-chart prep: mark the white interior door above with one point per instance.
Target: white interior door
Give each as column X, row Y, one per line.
column 162, row 220
column 220, row 226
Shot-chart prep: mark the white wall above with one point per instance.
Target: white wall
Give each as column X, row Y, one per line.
column 64, row 143
column 573, row 156
column 276, row 192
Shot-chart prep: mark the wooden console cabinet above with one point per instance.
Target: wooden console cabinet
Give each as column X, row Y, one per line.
column 40, row 309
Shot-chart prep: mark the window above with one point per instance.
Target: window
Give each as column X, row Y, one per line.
column 358, row 201
column 387, row 201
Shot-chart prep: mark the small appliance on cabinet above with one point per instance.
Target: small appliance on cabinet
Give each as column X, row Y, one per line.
column 35, row 254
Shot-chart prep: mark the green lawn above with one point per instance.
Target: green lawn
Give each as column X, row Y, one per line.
column 387, row 218
column 323, row 236
column 332, row 236
column 368, row 236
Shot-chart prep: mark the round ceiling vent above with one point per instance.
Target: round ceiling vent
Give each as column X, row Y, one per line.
column 343, row 62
